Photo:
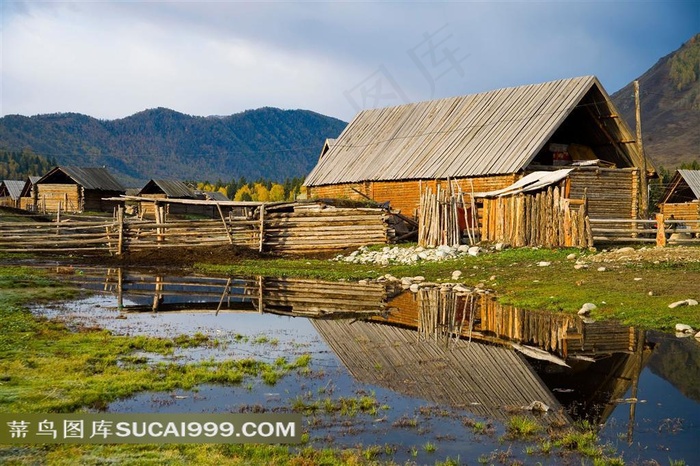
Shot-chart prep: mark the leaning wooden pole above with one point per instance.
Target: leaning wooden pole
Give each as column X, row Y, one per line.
column 640, row 146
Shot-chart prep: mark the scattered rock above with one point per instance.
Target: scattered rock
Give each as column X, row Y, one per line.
column 601, row 269
column 685, row 302
column 636, row 279
column 683, row 328
column 697, row 335
column 571, row 256
column 461, row 289
column 586, row 309
column 456, row 274
column 537, row 406
column 414, row 288
column 580, row 266
column 625, row 250
column 544, row 264
column 410, row 255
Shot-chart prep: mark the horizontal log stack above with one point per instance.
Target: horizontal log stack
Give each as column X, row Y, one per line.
column 303, row 228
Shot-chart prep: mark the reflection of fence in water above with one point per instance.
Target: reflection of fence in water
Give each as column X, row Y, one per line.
column 442, row 314
column 284, row 296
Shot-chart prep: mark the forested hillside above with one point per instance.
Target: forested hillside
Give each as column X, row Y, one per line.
column 18, row 165
column 161, row 143
column 670, row 101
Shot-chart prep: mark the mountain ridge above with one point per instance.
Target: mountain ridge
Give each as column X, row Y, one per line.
column 163, row 143
column 670, row 105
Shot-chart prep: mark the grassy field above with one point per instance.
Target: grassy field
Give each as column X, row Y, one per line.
column 47, row 367
column 635, row 292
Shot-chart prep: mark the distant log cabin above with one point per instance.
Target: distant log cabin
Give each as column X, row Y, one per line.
column 28, row 197
column 10, row 191
column 486, row 142
column 76, row 189
column 175, row 189
column 682, row 197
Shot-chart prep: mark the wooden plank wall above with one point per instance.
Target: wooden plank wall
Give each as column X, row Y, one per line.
column 545, row 218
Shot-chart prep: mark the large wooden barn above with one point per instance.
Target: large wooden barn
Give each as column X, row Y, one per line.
column 486, row 142
column 76, row 189
column 682, row 196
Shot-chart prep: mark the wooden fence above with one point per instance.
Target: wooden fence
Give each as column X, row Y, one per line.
column 661, row 231
column 306, row 229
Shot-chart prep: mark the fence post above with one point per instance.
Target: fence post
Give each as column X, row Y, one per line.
column 262, row 227
column 120, row 225
column 660, row 230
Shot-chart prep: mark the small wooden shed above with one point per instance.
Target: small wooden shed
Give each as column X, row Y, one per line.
column 682, row 197
column 164, row 189
column 488, row 141
column 10, row 191
column 174, row 189
column 27, row 199
column 77, row 189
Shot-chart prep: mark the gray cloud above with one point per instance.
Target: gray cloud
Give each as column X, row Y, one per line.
column 110, row 59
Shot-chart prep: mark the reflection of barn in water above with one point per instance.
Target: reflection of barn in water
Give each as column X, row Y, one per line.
column 586, row 364
column 488, row 380
column 445, row 347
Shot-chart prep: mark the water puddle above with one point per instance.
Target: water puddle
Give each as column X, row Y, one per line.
column 436, row 361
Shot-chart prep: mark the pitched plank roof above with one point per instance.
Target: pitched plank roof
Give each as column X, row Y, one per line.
column 496, row 132
column 692, row 178
column 14, row 188
column 171, row 188
column 89, row 178
column 684, row 187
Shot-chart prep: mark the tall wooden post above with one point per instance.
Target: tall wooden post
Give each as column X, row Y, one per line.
column 120, row 226
column 644, row 205
column 262, row 228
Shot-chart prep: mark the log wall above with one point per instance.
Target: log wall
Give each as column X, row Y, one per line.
column 50, row 195
column 611, row 192
column 405, row 195
column 682, row 211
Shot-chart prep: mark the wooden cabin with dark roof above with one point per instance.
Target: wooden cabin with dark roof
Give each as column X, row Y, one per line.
column 28, row 196
column 682, row 196
column 77, row 189
column 488, row 141
column 174, row 189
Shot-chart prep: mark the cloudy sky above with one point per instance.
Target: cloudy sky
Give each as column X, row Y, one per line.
column 110, row 59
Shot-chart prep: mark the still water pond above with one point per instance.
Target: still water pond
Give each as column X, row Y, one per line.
column 437, row 362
